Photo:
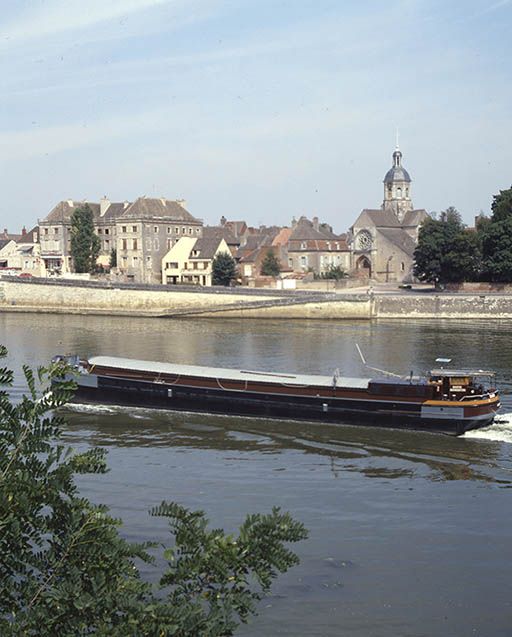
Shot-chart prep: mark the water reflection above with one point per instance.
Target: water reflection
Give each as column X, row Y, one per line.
column 375, row 453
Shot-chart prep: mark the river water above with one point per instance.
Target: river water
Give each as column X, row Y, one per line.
column 409, row 532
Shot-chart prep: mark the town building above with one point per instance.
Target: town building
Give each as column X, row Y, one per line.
column 382, row 241
column 135, row 235
column 190, row 260
column 314, row 247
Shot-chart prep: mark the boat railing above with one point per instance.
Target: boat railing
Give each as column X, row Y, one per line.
column 485, row 396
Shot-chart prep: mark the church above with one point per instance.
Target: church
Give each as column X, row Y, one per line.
column 382, row 242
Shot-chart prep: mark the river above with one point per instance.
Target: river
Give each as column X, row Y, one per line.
column 409, row 532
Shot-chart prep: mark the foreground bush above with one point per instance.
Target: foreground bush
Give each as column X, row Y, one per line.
column 64, row 568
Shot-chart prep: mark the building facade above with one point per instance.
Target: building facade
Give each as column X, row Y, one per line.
column 382, row 241
column 190, row 260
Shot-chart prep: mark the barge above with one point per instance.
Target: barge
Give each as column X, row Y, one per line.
column 445, row 400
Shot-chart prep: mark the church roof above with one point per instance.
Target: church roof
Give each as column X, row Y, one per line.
column 397, row 173
column 382, row 218
column 400, row 238
column 414, row 217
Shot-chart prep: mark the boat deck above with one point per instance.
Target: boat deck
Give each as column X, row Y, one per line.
column 173, row 369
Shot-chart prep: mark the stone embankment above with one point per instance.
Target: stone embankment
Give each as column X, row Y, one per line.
column 66, row 297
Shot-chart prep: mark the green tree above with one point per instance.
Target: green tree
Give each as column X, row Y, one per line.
column 113, row 258
column 270, row 265
column 447, row 251
column 335, row 272
column 223, row 269
column 65, row 569
column 85, row 244
column 496, row 237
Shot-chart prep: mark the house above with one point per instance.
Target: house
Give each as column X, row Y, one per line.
column 190, row 260
column 22, row 253
column 314, row 247
column 136, row 235
column 146, row 231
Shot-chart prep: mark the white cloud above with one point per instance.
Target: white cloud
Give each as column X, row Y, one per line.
column 66, row 15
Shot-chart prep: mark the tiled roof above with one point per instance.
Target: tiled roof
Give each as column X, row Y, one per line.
column 282, row 237
column 146, row 208
column 400, row 238
column 414, row 217
column 207, row 247
column 382, row 218
column 64, row 209
column 220, row 232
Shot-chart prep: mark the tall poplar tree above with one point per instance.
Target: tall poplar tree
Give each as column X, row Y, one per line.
column 85, row 244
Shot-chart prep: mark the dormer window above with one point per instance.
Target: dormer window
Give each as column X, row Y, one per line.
column 303, row 245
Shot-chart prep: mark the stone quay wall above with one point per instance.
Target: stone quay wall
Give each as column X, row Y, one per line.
column 162, row 301
column 28, row 296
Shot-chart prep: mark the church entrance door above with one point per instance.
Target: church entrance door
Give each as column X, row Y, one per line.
column 364, row 267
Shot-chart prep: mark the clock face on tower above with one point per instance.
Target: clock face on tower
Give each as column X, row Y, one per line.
column 364, row 240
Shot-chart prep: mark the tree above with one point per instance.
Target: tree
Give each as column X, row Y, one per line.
column 223, row 269
column 496, row 237
column 113, row 258
column 447, row 251
column 85, row 244
column 333, row 272
column 66, row 570
column 270, row 265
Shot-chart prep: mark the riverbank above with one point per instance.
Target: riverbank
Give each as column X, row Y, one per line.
column 163, row 302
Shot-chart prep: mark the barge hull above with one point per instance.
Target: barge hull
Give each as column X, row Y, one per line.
column 129, row 392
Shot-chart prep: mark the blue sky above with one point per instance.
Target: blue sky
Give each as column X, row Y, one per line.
column 253, row 109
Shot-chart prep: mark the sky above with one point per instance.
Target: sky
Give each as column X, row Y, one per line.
column 253, row 109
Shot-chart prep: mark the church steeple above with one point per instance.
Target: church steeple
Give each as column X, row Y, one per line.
column 397, row 187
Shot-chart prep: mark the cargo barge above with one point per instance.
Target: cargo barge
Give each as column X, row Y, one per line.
column 445, row 400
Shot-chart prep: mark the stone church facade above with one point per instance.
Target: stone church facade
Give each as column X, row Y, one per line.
column 382, row 241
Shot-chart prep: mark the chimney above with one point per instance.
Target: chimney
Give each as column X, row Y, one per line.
column 5, row 232
column 125, row 205
column 223, row 220
column 181, row 202
column 315, row 223
column 104, row 205
column 294, row 222
column 70, row 203
column 23, row 232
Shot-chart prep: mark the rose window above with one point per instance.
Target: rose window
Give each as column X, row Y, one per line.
column 364, row 240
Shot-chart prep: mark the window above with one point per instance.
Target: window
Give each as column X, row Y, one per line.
column 135, row 261
column 134, row 228
column 195, row 265
column 168, row 230
column 148, row 261
column 183, row 231
column 402, row 266
column 197, row 230
column 107, row 244
column 156, row 244
column 125, row 244
column 135, row 244
column 303, row 246
column 190, row 230
column 56, row 230
column 46, row 230
column 173, row 265
column 107, row 231
column 399, row 193
column 125, row 259
column 100, row 231
column 155, row 229
column 123, row 229
column 303, row 260
column 176, row 230
column 185, row 266
column 169, row 244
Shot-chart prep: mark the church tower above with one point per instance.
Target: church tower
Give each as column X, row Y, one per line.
column 397, row 188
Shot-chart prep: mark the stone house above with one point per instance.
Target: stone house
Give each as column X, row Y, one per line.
column 140, row 233
column 314, row 247
column 22, row 253
column 190, row 260
column 383, row 241
column 146, row 231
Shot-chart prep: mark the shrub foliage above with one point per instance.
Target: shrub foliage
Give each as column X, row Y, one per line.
column 66, row 570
